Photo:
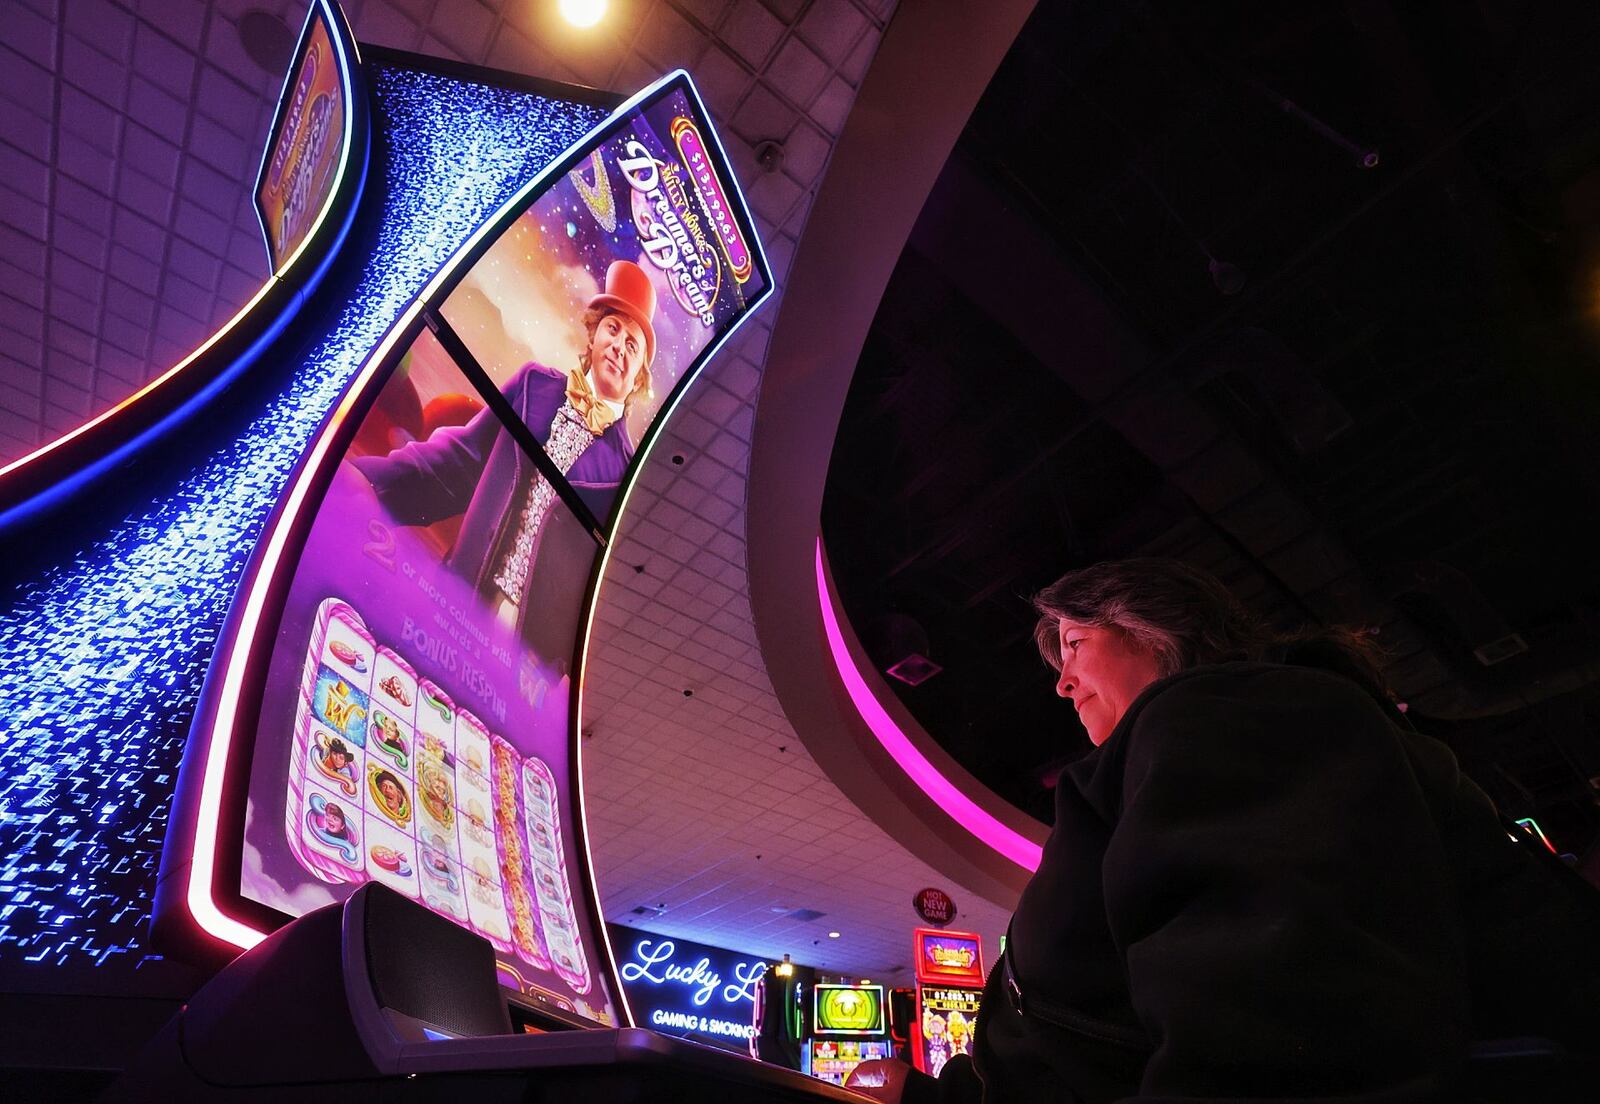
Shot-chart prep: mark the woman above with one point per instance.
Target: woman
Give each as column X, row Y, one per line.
column 1261, row 883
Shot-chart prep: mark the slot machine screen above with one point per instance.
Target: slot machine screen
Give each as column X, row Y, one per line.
column 426, row 717
column 416, row 722
column 644, row 230
column 949, row 958
column 849, row 1010
column 308, row 140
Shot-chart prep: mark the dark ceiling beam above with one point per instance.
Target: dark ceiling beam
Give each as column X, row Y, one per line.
column 961, row 530
column 1500, row 272
column 1097, row 354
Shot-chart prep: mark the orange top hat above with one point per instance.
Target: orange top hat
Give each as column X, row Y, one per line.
column 630, row 292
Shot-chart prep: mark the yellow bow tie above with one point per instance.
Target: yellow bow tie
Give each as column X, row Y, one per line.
column 594, row 412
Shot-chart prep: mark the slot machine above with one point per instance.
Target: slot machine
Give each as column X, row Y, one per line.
column 849, row 1025
column 949, row 990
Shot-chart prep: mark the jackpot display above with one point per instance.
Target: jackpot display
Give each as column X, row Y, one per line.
column 946, row 1017
column 421, row 602
column 307, row 143
column 949, row 970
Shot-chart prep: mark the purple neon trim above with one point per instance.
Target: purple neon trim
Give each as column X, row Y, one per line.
column 944, row 793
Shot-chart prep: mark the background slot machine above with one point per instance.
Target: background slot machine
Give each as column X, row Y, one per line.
column 949, row 991
column 849, row 1026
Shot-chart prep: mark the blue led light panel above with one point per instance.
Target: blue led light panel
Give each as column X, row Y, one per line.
column 102, row 656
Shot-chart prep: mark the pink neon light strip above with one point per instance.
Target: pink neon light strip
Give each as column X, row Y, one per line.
column 944, row 793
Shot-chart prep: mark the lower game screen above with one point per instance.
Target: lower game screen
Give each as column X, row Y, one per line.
column 415, row 726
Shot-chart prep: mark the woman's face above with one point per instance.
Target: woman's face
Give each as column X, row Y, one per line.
column 1102, row 671
column 616, row 353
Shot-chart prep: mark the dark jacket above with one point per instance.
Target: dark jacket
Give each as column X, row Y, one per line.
column 1262, row 887
column 478, row 470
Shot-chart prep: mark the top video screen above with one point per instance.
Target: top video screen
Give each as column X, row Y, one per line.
column 615, row 283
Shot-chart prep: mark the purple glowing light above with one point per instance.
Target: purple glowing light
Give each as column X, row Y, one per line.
column 957, row 805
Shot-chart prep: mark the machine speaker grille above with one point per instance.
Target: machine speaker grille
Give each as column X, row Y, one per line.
column 423, row 965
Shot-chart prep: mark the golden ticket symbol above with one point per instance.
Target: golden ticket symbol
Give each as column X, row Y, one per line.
column 343, row 712
column 597, row 196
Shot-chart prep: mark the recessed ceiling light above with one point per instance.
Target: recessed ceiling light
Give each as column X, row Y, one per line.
column 583, row 13
column 833, row 935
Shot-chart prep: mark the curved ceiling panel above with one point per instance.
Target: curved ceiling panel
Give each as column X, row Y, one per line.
column 939, row 57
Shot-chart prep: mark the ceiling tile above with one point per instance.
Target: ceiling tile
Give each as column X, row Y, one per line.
column 668, row 40
column 175, row 21
column 103, row 25
column 751, row 31
column 831, row 107
column 162, row 60
column 835, row 27
column 466, row 24
column 797, row 72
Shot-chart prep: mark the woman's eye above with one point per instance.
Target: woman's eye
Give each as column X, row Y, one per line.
column 1073, row 644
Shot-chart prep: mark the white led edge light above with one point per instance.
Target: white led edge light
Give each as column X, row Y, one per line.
column 679, row 390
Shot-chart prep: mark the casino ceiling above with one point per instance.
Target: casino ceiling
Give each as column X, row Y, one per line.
column 1308, row 295
column 1158, row 302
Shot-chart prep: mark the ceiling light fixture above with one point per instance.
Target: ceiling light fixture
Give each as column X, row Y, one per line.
column 833, row 935
column 583, row 13
column 785, row 968
column 769, row 155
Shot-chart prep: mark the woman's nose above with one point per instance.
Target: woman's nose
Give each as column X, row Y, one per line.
column 1064, row 685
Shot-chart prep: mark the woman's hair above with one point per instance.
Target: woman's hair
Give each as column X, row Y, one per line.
column 591, row 322
column 1185, row 618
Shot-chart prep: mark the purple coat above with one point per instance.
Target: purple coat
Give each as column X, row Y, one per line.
column 477, row 469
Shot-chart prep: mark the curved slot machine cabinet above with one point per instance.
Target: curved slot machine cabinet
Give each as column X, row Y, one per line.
column 395, row 696
column 383, row 782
